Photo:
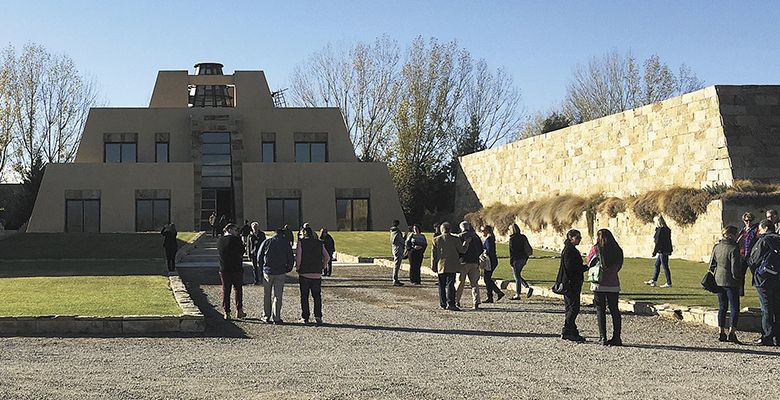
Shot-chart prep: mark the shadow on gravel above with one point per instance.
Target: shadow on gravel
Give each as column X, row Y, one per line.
column 733, row 350
column 465, row 332
column 216, row 326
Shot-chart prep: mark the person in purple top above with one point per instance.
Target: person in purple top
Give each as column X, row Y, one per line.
column 607, row 290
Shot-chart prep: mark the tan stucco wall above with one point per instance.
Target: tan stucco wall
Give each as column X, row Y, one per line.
column 285, row 122
column 318, row 183
column 117, row 184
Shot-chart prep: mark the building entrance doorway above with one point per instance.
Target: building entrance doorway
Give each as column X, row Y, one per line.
column 219, row 201
column 216, row 180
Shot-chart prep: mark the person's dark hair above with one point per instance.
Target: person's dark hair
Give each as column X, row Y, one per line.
column 445, row 227
column 396, row 222
column 323, row 232
column 610, row 249
column 772, row 211
column 487, row 229
column 730, row 232
column 515, row 230
column 570, row 234
column 768, row 225
column 229, row 227
column 416, row 226
column 280, row 231
column 308, row 232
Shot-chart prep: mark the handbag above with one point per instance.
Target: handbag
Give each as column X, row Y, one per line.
column 708, row 282
column 560, row 288
column 596, row 269
column 484, row 262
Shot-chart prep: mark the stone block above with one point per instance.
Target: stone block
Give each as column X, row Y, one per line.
column 26, row 325
column 141, row 325
column 189, row 325
column 9, row 326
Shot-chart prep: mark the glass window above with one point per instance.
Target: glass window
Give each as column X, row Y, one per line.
column 311, row 152
column 113, row 152
column 216, row 137
column 352, row 215
column 215, row 182
column 161, row 152
column 283, row 212
column 215, row 170
column 318, row 152
column 82, row 215
column 216, row 148
column 119, row 152
column 302, row 153
column 216, row 159
column 74, row 216
column 269, row 152
column 151, row 214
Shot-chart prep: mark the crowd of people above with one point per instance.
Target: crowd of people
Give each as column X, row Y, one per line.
column 467, row 256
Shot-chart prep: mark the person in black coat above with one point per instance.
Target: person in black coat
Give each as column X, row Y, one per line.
column 571, row 274
column 231, row 269
column 330, row 247
column 170, row 244
column 661, row 251
column 256, row 237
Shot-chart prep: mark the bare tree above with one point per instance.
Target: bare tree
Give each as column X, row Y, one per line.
column 7, row 110
column 48, row 100
column 362, row 81
column 613, row 83
column 492, row 103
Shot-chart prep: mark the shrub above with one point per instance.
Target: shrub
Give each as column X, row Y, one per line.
column 612, row 206
column 746, row 186
column 500, row 216
column 647, row 205
column 684, row 205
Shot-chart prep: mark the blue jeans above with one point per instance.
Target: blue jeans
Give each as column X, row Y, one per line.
column 447, row 290
column 728, row 297
column 517, row 269
column 769, row 297
column 662, row 259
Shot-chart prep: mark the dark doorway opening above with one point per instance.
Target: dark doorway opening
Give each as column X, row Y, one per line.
column 219, row 201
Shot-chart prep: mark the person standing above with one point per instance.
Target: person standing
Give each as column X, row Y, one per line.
column 489, row 245
column 746, row 239
column 661, row 251
column 445, row 261
column 231, row 269
column 767, row 285
column 289, row 235
column 255, row 239
column 213, row 223
column 222, row 223
column 519, row 251
column 330, row 247
column 246, row 230
column 275, row 257
column 311, row 259
column 415, row 247
column 171, row 245
column 570, row 274
column 470, row 259
column 607, row 251
column 771, row 215
column 726, row 265
column 397, row 240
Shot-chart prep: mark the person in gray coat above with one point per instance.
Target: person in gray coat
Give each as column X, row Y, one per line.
column 726, row 264
column 445, row 261
column 397, row 242
column 275, row 258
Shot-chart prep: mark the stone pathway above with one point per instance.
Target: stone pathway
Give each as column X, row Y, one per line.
column 385, row 342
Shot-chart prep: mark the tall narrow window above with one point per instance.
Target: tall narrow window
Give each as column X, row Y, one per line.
column 269, row 152
column 119, row 152
column 151, row 214
column 82, row 215
column 216, row 171
column 352, row 215
column 283, row 212
column 311, row 152
column 161, row 152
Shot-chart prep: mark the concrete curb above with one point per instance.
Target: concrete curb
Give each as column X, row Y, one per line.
column 749, row 319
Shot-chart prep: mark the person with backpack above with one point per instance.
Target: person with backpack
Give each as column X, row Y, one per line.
column 519, row 251
column 311, row 258
column 275, row 257
column 726, row 265
column 764, row 263
column 470, row 260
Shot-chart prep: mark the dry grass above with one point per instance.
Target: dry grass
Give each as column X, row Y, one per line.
column 612, row 206
column 646, row 205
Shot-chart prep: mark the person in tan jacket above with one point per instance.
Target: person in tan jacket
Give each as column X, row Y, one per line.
column 445, row 261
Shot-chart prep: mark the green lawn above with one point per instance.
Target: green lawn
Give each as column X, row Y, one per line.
column 85, row 274
column 27, row 246
column 377, row 244
column 85, row 287
column 686, row 275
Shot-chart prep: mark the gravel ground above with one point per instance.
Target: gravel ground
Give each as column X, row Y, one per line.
column 386, row 342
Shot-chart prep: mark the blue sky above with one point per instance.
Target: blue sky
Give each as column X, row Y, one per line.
column 123, row 44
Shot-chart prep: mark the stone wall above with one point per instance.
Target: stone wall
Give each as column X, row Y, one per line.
column 711, row 136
